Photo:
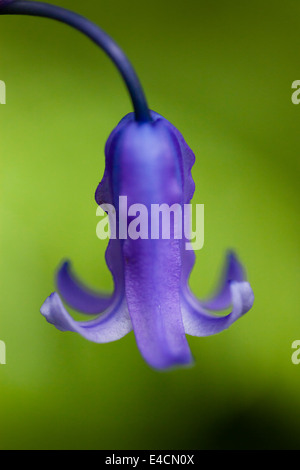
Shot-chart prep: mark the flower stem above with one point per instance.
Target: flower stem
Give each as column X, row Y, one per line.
column 97, row 35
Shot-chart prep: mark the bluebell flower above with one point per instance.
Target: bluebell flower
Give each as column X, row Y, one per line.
column 148, row 162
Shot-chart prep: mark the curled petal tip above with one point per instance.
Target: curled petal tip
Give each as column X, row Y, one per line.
column 242, row 296
column 200, row 322
column 48, row 311
column 112, row 325
column 235, row 270
column 232, row 271
column 77, row 295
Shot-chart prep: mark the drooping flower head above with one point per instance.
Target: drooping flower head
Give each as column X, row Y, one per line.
column 149, row 163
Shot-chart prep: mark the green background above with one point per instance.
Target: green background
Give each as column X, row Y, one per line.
column 221, row 72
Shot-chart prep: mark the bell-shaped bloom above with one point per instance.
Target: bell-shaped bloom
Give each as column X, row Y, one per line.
column 149, row 163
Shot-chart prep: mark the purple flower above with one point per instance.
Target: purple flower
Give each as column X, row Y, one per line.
column 150, row 163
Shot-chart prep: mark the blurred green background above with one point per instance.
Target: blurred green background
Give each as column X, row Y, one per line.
column 221, row 72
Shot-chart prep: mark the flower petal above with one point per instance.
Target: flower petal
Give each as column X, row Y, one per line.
column 199, row 322
column 145, row 158
column 187, row 157
column 152, row 279
column 233, row 272
column 78, row 296
column 112, row 325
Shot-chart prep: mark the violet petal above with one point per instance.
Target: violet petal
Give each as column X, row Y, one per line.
column 199, row 322
column 78, row 296
column 112, row 325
